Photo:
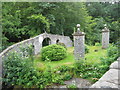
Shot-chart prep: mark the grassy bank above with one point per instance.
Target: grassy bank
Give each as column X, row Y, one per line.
column 93, row 57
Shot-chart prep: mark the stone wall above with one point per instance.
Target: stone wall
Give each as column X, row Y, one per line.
column 111, row 79
column 37, row 43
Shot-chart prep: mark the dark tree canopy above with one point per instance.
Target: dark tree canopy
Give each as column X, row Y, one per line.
column 22, row 20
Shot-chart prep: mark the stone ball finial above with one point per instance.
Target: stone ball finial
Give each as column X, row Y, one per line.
column 45, row 32
column 105, row 25
column 78, row 33
column 78, row 25
column 105, row 28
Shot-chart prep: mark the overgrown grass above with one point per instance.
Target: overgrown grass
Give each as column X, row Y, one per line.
column 67, row 61
column 56, row 72
column 93, row 57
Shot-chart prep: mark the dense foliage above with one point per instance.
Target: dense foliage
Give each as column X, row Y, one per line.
column 53, row 53
column 19, row 71
column 22, row 20
column 29, row 19
column 62, row 44
column 105, row 13
column 86, row 49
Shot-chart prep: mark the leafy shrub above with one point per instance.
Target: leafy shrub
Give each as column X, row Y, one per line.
column 67, row 76
column 112, row 51
column 97, row 44
column 53, row 53
column 19, row 71
column 86, row 49
column 82, row 69
column 63, row 68
column 52, row 77
column 62, row 44
column 57, row 79
column 107, row 60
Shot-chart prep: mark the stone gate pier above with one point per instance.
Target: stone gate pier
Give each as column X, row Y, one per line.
column 105, row 37
column 79, row 47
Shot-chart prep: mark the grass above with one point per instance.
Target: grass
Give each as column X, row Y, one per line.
column 67, row 61
column 94, row 57
column 91, row 58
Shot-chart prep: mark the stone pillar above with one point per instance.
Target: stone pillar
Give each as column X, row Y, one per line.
column 105, row 37
column 79, row 47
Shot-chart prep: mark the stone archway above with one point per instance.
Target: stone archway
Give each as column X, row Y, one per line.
column 57, row 41
column 46, row 41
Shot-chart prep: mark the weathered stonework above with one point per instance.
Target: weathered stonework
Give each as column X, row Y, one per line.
column 37, row 44
column 105, row 38
column 111, row 78
column 79, row 48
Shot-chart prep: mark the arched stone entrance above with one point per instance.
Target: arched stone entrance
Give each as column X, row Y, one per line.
column 46, row 42
column 57, row 41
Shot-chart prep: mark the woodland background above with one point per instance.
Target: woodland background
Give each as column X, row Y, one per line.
column 22, row 20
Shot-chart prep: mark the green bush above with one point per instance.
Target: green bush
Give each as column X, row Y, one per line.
column 107, row 60
column 86, row 49
column 63, row 68
column 19, row 71
column 62, row 44
column 57, row 79
column 112, row 51
column 67, row 76
column 97, row 44
column 53, row 53
column 83, row 70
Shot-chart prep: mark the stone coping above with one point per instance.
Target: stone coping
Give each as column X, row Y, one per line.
column 78, row 34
